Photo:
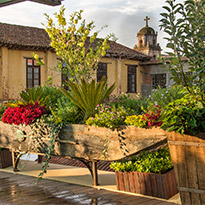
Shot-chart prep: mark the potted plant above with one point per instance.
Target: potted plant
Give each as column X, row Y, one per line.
column 185, row 117
column 5, row 158
column 150, row 173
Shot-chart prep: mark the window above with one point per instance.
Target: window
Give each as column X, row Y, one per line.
column 159, row 80
column 101, row 71
column 64, row 76
column 32, row 73
column 131, row 79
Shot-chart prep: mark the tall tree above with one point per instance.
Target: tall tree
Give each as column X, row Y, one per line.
column 184, row 24
column 76, row 44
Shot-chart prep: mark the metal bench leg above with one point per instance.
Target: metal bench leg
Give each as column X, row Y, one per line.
column 15, row 160
column 40, row 158
column 92, row 168
column 95, row 173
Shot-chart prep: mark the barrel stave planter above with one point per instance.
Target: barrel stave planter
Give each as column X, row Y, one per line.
column 188, row 156
column 157, row 185
column 5, row 158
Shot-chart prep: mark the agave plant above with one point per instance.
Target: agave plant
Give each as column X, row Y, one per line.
column 87, row 95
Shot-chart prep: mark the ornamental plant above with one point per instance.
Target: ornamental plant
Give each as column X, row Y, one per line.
column 23, row 114
column 157, row 161
column 87, row 95
column 152, row 117
column 185, row 115
column 76, row 44
column 110, row 117
column 135, row 120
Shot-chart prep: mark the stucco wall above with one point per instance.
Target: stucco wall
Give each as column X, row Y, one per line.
column 13, row 72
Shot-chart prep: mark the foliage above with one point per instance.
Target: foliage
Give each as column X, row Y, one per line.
column 135, row 120
column 132, row 105
column 158, row 161
column 86, row 95
column 24, row 114
column 184, row 24
column 55, row 129
column 66, row 112
column 111, row 117
column 76, row 44
column 185, row 115
column 32, row 95
column 2, row 110
column 163, row 96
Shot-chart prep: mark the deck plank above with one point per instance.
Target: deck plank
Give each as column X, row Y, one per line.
column 20, row 189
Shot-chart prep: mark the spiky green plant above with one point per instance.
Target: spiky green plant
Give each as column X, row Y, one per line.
column 87, row 95
column 34, row 94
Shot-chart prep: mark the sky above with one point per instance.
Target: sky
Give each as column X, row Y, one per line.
column 123, row 17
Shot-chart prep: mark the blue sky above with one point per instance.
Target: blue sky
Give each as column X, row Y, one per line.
column 123, row 17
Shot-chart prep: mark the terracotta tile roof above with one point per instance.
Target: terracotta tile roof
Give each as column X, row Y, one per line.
column 154, row 61
column 15, row 36
column 32, row 38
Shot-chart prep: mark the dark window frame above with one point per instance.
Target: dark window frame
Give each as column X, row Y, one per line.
column 159, row 79
column 101, row 71
column 131, row 75
column 33, row 67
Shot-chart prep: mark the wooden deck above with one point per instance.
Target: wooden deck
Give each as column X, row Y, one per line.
column 19, row 189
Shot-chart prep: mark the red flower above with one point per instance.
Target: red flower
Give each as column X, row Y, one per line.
column 23, row 114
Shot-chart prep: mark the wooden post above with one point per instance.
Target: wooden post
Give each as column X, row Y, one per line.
column 95, row 173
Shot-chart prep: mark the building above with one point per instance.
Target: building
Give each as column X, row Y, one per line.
column 147, row 41
column 18, row 70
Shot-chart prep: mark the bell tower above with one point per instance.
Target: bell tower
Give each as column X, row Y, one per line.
column 147, row 41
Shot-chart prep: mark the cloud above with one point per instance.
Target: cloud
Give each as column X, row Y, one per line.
column 123, row 17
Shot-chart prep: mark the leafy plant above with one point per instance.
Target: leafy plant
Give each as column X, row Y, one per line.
column 32, row 95
column 66, row 112
column 76, row 44
column 158, row 161
column 87, row 95
column 184, row 24
column 135, row 120
column 163, row 96
column 185, row 115
column 111, row 117
column 132, row 105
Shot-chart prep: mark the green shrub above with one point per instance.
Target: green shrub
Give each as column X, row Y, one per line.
column 135, row 120
column 163, row 96
column 158, row 161
column 134, row 106
column 110, row 117
column 185, row 115
column 55, row 94
column 67, row 112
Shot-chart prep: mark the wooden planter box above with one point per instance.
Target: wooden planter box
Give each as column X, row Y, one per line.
column 157, row 185
column 5, row 158
column 87, row 142
column 188, row 156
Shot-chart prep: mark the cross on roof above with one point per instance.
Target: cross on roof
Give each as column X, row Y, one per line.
column 147, row 19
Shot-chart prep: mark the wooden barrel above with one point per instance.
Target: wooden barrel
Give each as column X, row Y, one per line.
column 188, row 156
